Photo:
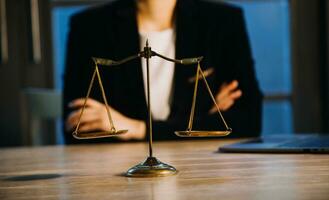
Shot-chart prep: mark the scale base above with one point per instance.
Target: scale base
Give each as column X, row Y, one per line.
column 151, row 167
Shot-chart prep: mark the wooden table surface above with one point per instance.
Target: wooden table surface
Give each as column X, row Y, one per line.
column 95, row 172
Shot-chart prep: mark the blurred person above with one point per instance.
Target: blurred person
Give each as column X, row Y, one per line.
column 176, row 29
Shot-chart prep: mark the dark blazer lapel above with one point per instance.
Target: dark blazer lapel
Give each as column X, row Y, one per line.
column 127, row 44
column 187, row 32
column 186, row 28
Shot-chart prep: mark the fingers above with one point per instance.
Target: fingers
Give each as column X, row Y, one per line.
column 223, row 106
column 233, row 85
column 89, row 115
column 227, row 96
column 226, row 89
column 227, row 104
column 77, row 103
column 93, row 112
column 90, row 126
column 235, row 95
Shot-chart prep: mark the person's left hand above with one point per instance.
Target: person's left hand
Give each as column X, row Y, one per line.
column 95, row 118
column 226, row 96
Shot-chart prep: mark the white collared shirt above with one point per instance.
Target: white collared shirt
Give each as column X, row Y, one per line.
column 161, row 71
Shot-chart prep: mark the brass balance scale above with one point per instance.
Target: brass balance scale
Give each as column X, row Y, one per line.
column 151, row 167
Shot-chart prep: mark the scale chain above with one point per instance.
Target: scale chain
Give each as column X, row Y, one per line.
column 105, row 99
column 212, row 96
column 96, row 72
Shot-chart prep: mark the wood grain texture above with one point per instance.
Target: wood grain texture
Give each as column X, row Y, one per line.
column 95, row 172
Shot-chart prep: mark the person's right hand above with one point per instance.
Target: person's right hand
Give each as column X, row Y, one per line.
column 95, row 118
column 226, row 96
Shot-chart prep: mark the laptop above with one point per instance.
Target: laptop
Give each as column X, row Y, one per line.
column 296, row 143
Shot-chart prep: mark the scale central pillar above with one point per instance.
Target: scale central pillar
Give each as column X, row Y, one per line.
column 151, row 167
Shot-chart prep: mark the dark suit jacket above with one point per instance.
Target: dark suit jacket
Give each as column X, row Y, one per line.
column 214, row 30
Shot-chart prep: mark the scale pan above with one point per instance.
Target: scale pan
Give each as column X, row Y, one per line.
column 102, row 134
column 202, row 133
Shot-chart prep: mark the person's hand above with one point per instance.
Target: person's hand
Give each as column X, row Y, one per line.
column 226, row 96
column 95, row 118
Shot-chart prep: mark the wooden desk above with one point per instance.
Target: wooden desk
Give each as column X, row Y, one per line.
column 94, row 172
